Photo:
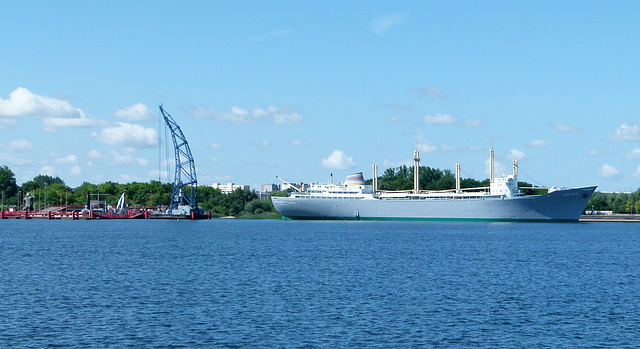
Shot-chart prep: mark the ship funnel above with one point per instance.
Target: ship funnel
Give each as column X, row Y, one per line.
column 354, row 180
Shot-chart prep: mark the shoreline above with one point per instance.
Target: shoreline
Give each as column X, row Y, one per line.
column 628, row 218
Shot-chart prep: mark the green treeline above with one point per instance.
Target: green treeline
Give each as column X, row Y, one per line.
column 48, row 190
column 616, row 202
column 401, row 178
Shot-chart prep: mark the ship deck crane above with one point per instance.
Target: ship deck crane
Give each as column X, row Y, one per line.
column 290, row 184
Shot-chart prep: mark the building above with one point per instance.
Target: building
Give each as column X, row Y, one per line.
column 229, row 187
column 267, row 188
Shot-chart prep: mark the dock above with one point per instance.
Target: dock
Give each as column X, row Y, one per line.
column 49, row 212
column 79, row 213
column 628, row 218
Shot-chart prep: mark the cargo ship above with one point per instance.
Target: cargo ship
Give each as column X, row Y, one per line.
column 502, row 201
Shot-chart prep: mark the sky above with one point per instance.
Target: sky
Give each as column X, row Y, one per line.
column 303, row 89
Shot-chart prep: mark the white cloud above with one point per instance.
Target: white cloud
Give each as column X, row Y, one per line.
column 537, row 143
column 517, row 154
column 67, row 160
column 594, row 152
column 137, row 112
column 607, row 171
column 22, row 102
column 498, row 167
column 448, row 148
column 396, row 118
column 275, row 115
column 298, row 143
column 564, row 128
column 338, row 161
column 51, row 124
column 216, row 146
column 120, row 159
column 439, row 119
column 75, row 170
column 259, row 113
column 127, row 135
column 49, row 171
column 626, row 132
column 382, row 24
column 127, row 178
column 14, row 158
column 22, row 144
column 4, row 122
column 426, row 148
column 391, row 164
column 284, row 116
column 473, row 123
column 236, row 116
column 636, row 173
column 430, row 91
column 94, row 154
column 633, row 154
column 55, row 113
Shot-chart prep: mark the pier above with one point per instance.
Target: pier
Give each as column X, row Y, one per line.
column 629, row 218
column 50, row 212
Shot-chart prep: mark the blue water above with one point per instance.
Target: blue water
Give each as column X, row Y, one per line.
column 254, row 284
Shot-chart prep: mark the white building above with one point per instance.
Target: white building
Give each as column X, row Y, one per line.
column 229, row 187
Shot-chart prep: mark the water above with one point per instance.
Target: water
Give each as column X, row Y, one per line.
column 241, row 283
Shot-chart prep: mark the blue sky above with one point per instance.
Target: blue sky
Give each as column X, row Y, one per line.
column 302, row 89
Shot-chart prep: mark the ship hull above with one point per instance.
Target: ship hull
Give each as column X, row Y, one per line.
column 558, row 206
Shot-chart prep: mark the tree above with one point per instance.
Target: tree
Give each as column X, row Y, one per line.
column 257, row 206
column 8, row 184
column 598, row 202
column 44, row 181
column 401, row 178
column 620, row 203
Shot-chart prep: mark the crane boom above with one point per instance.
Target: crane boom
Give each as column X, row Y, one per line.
column 291, row 185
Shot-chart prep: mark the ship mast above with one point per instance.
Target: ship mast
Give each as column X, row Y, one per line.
column 458, row 179
column 416, row 172
column 491, row 174
column 375, row 178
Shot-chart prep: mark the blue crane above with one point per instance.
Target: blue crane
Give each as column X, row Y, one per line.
column 185, row 181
